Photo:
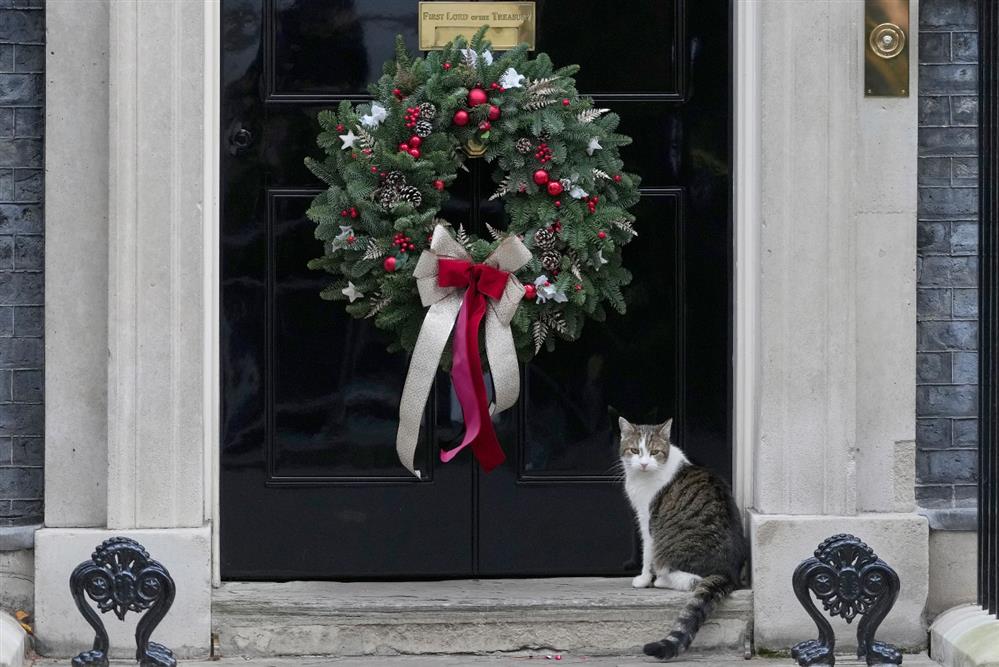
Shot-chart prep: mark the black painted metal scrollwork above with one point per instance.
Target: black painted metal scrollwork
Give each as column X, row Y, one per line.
column 121, row 577
column 849, row 579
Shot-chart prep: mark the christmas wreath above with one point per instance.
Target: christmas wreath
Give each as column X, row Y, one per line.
column 388, row 164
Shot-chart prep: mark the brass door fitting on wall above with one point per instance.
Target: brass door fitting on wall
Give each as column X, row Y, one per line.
column 886, row 48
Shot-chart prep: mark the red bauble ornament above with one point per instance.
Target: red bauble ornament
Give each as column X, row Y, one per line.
column 374, row 169
column 485, row 126
column 404, row 147
column 601, row 235
column 554, row 188
column 477, row 96
column 494, row 112
column 414, row 141
column 541, row 177
column 579, row 287
column 530, row 292
column 446, row 66
column 339, row 128
column 415, row 152
column 617, row 178
column 565, row 102
column 389, row 264
column 439, row 184
column 558, row 204
column 397, row 92
column 460, row 118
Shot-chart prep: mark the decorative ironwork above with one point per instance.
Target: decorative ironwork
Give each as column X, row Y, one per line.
column 849, row 579
column 121, row 577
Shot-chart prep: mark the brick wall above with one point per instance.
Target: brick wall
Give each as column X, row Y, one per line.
column 22, row 88
column 947, row 295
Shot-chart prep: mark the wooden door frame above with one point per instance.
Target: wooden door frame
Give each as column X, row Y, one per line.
column 745, row 99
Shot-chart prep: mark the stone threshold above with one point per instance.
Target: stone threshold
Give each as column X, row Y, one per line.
column 578, row 616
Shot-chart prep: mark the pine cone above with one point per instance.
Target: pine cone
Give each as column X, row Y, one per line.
column 427, row 111
column 524, row 145
column 544, row 238
column 388, row 196
column 423, row 128
column 544, row 137
column 395, row 178
column 551, row 260
column 411, row 194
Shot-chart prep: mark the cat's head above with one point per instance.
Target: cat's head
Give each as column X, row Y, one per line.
column 644, row 447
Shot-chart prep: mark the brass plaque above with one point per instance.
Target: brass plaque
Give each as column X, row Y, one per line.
column 886, row 48
column 510, row 23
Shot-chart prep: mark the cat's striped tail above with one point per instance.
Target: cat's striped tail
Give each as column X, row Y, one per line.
column 708, row 592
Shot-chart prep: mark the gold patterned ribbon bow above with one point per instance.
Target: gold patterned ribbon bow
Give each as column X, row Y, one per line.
column 445, row 303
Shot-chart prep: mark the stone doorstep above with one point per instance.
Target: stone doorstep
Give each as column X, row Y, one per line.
column 577, row 616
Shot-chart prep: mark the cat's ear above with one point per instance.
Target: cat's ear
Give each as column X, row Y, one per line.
column 626, row 427
column 665, row 429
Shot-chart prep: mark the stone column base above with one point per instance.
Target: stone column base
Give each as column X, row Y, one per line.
column 780, row 542
column 965, row 636
column 60, row 630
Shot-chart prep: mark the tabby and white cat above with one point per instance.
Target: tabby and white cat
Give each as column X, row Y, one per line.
column 691, row 530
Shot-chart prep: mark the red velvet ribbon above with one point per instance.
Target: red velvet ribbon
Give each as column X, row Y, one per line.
column 466, row 369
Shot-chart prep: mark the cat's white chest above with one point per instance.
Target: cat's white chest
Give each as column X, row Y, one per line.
column 641, row 490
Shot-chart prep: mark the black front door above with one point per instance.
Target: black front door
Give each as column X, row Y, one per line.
column 311, row 487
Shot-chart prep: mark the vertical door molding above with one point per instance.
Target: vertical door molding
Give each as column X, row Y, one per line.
column 746, row 236
column 156, row 257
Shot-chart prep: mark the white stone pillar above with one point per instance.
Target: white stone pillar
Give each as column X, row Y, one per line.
column 156, row 281
column 836, row 408
column 76, row 280
column 134, row 404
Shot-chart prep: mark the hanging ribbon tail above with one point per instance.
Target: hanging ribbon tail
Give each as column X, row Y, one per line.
column 466, row 372
column 510, row 256
column 420, row 377
column 440, row 273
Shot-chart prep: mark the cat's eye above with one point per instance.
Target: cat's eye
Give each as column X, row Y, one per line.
column 656, row 452
column 631, row 450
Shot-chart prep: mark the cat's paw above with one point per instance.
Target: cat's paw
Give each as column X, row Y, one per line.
column 684, row 581
column 678, row 581
column 641, row 581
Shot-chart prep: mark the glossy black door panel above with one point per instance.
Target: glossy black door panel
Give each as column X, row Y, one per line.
column 332, row 48
column 625, row 48
column 310, row 484
column 335, row 392
column 626, row 364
